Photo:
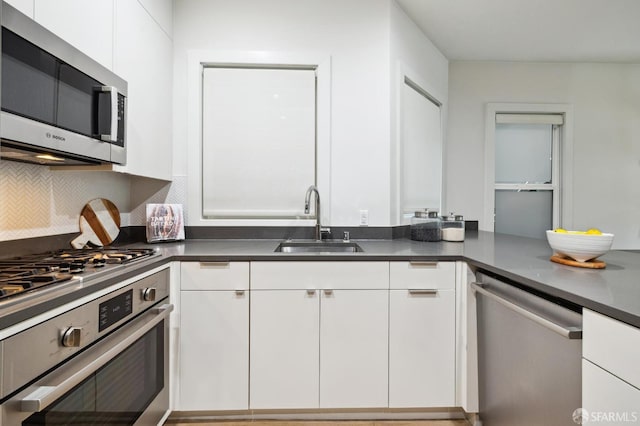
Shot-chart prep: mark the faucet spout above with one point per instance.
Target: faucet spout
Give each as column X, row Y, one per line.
column 307, row 200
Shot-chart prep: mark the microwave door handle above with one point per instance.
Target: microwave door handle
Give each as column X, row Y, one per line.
column 113, row 135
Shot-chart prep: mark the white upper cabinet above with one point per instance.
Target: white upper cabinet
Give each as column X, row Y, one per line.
column 143, row 57
column 24, row 6
column 162, row 13
column 87, row 25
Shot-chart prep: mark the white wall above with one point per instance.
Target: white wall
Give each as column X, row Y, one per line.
column 366, row 40
column 414, row 55
column 355, row 35
column 606, row 136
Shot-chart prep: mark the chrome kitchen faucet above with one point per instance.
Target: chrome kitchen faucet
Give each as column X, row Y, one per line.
column 307, row 199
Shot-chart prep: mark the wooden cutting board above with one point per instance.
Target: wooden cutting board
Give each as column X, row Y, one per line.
column 99, row 224
column 591, row 264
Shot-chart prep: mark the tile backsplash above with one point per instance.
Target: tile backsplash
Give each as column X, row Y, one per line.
column 37, row 201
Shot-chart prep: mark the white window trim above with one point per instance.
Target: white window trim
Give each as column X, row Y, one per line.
column 196, row 59
column 564, row 153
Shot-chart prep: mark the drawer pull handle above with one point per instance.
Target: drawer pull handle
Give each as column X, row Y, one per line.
column 430, row 264
column 328, row 291
column 240, row 292
column 423, row 291
column 311, row 291
column 218, row 263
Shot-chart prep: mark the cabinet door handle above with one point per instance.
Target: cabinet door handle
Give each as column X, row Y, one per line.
column 328, row 291
column 423, row 291
column 311, row 291
column 240, row 292
column 431, row 264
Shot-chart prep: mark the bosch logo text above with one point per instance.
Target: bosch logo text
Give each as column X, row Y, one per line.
column 56, row 137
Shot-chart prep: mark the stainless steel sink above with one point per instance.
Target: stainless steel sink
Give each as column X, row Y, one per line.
column 314, row 246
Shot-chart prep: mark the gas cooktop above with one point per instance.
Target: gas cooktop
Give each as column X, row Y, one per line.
column 24, row 274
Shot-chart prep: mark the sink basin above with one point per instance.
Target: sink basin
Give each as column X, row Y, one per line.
column 314, row 246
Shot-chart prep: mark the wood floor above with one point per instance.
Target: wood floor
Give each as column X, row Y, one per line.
column 326, row 423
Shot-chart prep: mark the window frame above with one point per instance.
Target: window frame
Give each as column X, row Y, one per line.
column 562, row 171
column 196, row 61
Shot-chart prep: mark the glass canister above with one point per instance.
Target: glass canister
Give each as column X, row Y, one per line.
column 453, row 227
column 426, row 226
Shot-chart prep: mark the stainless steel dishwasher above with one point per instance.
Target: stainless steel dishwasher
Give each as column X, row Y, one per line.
column 529, row 356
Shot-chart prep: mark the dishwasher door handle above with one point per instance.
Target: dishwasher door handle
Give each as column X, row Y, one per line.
column 568, row 332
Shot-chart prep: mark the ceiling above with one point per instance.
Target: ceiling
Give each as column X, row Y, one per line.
column 531, row 30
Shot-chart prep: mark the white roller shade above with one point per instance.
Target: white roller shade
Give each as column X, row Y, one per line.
column 258, row 142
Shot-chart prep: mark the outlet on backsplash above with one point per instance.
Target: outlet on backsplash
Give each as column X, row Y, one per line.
column 364, row 217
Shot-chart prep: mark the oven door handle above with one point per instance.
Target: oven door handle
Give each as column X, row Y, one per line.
column 90, row 361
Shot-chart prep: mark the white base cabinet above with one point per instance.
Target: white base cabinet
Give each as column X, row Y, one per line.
column 422, row 335
column 354, row 348
column 607, row 399
column 214, row 336
column 284, row 349
column 318, row 335
column 610, row 373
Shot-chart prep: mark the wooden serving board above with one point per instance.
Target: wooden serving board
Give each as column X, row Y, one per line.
column 591, row 264
column 99, row 224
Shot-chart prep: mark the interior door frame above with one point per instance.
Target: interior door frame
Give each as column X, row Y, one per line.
column 565, row 157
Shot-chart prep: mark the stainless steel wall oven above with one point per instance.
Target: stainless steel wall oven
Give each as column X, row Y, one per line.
column 104, row 362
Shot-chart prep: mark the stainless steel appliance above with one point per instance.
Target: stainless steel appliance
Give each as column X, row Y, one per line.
column 58, row 105
column 529, row 356
column 104, row 361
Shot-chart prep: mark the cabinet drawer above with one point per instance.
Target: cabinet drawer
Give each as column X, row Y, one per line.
column 422, row 275
column 319, row 275
column 607, row 399
column 214, row 276
column 613, row 345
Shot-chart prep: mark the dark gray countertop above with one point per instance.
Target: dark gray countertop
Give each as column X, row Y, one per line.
column 614, row 291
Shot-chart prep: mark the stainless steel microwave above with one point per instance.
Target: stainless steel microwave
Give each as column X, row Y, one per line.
column 59, row 106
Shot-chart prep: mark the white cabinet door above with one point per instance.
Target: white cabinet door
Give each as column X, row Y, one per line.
column 143, row 57
column 24, row 6
column 354, row 348
column 87, row 25
column 613, row 345
column 607, row 399
column 284, row 349
column 214, row 350
column 422, row 348
column 162, row 13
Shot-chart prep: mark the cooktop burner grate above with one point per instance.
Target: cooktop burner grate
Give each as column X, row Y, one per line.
column 28, row 273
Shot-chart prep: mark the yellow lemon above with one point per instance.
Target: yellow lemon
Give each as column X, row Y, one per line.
column 594, row 231
column 561, row 231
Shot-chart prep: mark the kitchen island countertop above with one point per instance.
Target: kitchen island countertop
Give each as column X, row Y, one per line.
column 613, row 291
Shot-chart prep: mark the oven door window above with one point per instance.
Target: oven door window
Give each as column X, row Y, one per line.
column 118, row 393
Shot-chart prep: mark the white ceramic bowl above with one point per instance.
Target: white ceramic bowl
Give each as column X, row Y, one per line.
column 581, row 247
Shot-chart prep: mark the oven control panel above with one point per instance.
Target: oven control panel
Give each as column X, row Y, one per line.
column 60, row 337
column 113, row 310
